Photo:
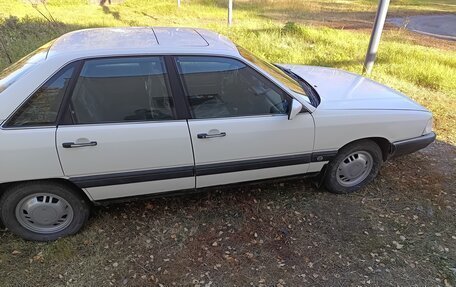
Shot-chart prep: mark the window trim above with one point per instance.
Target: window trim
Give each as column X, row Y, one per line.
column 64, row 118
column 178, row 94
column 63, row 112
column 181, row 104
column 287, row 95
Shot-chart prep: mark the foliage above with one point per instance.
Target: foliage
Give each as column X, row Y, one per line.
column 281, row 31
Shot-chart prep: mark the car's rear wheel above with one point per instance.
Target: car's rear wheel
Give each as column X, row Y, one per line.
column 354, row 167
column 43, row 211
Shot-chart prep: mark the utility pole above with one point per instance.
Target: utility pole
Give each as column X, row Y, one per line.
column 230, row 12
column 376, row 34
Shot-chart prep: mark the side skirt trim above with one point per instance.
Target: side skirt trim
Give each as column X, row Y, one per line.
column 132, row 177
column 199, row 170
column 193, row 191
column 242, row 165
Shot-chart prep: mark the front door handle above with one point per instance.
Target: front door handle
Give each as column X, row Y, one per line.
column 83, row 144
column 208, row 136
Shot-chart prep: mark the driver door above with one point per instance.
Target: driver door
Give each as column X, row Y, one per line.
column 239, row 128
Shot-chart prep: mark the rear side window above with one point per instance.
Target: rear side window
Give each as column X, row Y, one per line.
column 42, row 108
column 122, row 90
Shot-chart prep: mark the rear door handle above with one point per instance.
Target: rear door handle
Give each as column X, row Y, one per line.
column 74, row 145
column 208, row 136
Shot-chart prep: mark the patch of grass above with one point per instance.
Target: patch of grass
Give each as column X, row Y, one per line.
column 426, row 74
column 259, row 235
column 268, row 234
column 60, row 250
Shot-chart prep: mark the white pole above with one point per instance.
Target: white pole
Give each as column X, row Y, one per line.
column 230, row 12
column 178, row 3
column 376, row 34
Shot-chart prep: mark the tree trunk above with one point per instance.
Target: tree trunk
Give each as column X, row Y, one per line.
column 104, row 2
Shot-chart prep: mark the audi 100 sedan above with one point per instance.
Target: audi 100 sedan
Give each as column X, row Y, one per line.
column 108, row 113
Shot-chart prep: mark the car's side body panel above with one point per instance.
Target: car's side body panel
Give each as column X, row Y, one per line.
column 138, row 189
column 336, row 128
column 156, row 152
column 28, row 154
column 247, row 146
column 251, row 175
column 125, row 147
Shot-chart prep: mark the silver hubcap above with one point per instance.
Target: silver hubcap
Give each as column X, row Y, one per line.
column 44, row 213
column 354, row 168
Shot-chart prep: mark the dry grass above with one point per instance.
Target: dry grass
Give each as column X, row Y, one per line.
column 400, row 231
column 397, row 232
column 421, row 67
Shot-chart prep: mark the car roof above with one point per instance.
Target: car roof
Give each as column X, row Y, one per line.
column 133, row 40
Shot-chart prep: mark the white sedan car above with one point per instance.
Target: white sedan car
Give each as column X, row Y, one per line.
column 110, row 113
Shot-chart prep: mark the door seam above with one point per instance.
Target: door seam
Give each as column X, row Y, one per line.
column 57, row 151
column 193, row 152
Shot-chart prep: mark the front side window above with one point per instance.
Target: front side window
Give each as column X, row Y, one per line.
column 273, row 71
column 121, row 90
column 223, row 87
column 42, row 108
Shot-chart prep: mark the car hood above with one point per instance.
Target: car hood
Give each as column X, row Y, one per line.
column 341, row 90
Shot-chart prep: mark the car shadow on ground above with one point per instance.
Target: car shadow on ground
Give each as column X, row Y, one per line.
column 398, row 230
column 403, row 222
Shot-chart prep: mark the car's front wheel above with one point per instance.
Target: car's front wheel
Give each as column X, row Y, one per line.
column 354, row 167
column 43, row 211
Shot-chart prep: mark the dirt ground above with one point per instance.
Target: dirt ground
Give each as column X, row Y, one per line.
column 400, row 231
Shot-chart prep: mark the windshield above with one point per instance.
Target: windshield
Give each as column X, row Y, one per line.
column 14, row 72
column 273, row 71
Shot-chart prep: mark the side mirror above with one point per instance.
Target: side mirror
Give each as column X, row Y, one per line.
column 296, row 108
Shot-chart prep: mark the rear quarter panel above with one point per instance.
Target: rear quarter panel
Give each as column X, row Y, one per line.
column 28, row 154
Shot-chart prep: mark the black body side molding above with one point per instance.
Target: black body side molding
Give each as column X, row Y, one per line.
column 132, row 177
column 242, row 165
column 199, row 170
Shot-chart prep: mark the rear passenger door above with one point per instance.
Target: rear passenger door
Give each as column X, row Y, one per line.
column 120, row 134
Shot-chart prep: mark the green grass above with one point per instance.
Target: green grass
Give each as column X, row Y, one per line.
column 313, row 233
column 425, row 72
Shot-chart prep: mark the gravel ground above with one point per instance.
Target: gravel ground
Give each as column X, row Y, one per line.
column 400, row 231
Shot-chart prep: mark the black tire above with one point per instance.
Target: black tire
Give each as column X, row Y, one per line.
column 16, row 193
column 331, row 181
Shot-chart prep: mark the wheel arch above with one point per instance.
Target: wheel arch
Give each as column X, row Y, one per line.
column 383, row 143
column 82, row 192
